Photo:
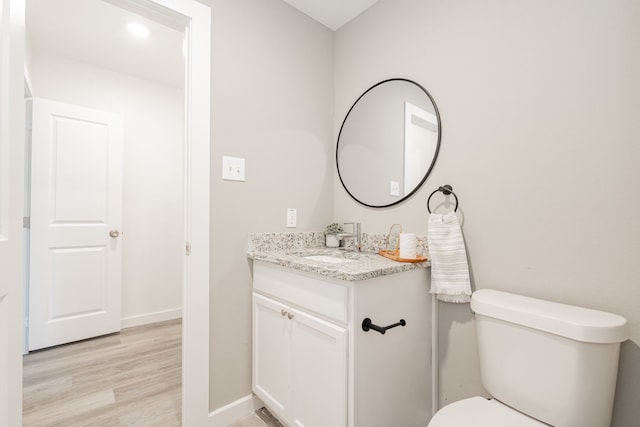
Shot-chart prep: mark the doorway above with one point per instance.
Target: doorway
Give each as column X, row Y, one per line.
column 194, row 17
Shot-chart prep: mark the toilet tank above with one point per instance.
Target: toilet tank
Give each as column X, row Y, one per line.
column 554, row 362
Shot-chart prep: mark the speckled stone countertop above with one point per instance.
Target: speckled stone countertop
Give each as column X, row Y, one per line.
column 290, row 249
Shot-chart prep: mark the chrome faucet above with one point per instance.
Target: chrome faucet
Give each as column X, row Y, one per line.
column 356, row 235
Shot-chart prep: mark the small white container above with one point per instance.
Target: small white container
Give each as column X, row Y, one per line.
column 331, row 240
column 408, row 245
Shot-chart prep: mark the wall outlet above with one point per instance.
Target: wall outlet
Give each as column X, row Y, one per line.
column 394, row 188
column 232, row 168
column 292, row 217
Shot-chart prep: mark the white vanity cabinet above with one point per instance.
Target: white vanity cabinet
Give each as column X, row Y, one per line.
column 314, row 366
column 300, row 361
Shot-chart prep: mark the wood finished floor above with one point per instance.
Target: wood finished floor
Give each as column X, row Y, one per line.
column 128, row 379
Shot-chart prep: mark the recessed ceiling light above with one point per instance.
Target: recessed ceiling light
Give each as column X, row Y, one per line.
column 138, row 29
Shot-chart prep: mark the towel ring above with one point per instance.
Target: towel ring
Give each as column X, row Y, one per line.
column 446, row 190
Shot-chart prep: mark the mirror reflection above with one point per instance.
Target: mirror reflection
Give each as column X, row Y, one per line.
column 388, row 143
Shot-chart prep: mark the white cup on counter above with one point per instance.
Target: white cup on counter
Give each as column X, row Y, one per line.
column 408, row 245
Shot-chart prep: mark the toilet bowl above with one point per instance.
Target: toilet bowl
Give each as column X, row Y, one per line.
column 544, row 363
column 480, row 412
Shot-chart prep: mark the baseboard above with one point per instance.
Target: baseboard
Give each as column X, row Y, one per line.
column 234, row 411
column 145, row 319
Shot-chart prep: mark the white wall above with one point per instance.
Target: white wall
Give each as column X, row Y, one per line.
column 540, row 142
column 153, row 237
column 272, row 101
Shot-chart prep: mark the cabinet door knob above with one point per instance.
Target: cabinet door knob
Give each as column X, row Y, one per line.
column 283, row 312
column 290, row 316
column 114, row 233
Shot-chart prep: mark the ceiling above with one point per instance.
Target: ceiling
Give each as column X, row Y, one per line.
column 94, row 32
column 332, row 13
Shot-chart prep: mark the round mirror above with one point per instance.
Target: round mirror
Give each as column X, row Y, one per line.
column 388, row 143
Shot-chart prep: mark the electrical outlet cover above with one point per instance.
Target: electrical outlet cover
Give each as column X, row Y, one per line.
column 292, row 217
column 394, row 188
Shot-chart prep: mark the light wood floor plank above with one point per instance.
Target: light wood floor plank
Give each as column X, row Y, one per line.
column 128, row 379
column 56, row 414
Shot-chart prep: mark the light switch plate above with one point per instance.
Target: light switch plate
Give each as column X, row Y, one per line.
column 232, row 168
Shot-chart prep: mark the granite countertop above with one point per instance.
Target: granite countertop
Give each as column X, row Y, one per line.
column 290, row 249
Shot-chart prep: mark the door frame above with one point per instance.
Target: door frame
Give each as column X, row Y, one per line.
column 12, row 121
column 194, row 19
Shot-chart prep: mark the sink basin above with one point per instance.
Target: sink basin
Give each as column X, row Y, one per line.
column 329, row 259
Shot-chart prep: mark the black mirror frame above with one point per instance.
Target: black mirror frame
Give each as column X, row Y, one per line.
column 435, row 155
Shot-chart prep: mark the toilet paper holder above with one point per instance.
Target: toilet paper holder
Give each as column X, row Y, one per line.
column 367, row 324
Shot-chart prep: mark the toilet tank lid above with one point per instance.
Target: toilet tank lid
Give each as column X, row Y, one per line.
column 577, row 323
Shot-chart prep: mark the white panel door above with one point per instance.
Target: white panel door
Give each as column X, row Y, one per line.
column 76, row 221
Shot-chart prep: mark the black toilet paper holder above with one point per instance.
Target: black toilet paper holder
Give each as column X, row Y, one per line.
column 367, row 325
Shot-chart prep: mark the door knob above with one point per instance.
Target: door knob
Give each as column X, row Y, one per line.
column 114, row 233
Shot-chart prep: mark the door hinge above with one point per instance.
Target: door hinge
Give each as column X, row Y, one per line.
column 187, row 248
column 26, row 222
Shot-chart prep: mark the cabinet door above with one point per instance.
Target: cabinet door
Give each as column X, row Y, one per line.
column 271, row 354
column 318, row 372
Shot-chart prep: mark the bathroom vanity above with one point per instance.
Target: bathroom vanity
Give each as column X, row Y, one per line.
column 314, row 365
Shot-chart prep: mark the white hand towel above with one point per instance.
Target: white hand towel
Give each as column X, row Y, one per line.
column 449, row 269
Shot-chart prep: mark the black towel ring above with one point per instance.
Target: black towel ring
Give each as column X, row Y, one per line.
column 446, row 190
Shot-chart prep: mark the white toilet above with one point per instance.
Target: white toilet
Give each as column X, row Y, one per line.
column 543, row 363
